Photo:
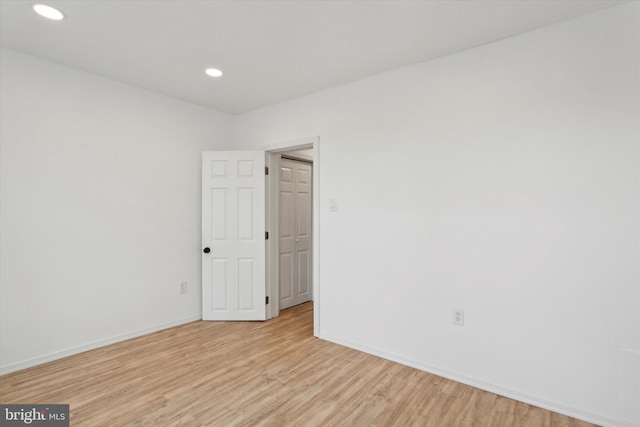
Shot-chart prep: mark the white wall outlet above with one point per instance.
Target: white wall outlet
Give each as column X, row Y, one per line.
column 333, row 205
column 458, row 316
column 183, row 287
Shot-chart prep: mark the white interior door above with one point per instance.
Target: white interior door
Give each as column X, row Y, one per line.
column 295, row 215
column 233, row 235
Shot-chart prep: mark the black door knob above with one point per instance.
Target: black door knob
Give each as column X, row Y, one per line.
column 206, row 250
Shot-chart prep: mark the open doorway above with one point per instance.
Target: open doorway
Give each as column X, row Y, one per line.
column 303, row 152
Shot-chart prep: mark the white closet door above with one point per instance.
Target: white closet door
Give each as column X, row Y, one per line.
column 295, row 212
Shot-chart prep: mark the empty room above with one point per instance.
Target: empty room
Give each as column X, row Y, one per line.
column 320, row 213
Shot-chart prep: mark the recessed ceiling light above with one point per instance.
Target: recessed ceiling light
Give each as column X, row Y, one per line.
column 48, row 12
column 213, row 72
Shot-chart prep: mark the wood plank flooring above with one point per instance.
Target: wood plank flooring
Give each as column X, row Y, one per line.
column 271, row 373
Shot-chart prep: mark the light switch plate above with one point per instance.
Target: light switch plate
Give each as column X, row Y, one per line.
column 458, row 316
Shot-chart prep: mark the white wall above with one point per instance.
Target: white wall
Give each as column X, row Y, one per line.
column 100, row 209
column 503, row 180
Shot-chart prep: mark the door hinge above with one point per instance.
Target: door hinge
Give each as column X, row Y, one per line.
column 266, row 235
column 266, row 300
column 266, row 170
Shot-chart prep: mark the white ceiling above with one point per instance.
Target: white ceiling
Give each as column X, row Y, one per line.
column 270, row 51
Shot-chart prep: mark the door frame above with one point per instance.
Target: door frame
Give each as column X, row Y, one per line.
column 272, row 160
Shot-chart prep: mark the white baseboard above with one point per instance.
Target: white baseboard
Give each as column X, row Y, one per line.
column 13, row 367
column 473, row 382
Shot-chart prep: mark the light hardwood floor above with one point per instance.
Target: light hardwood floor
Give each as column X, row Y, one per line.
column 271, row 373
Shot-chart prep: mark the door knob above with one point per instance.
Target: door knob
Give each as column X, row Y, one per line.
column 206, row 250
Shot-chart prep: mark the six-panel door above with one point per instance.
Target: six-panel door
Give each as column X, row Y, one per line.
column 233, row 235
column 295, row 233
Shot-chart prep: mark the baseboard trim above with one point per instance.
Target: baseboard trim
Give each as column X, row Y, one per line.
column 18, row 366
column 473, row 382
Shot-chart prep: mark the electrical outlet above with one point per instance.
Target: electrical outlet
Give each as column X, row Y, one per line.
column 183, row 287
column 458, row 316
